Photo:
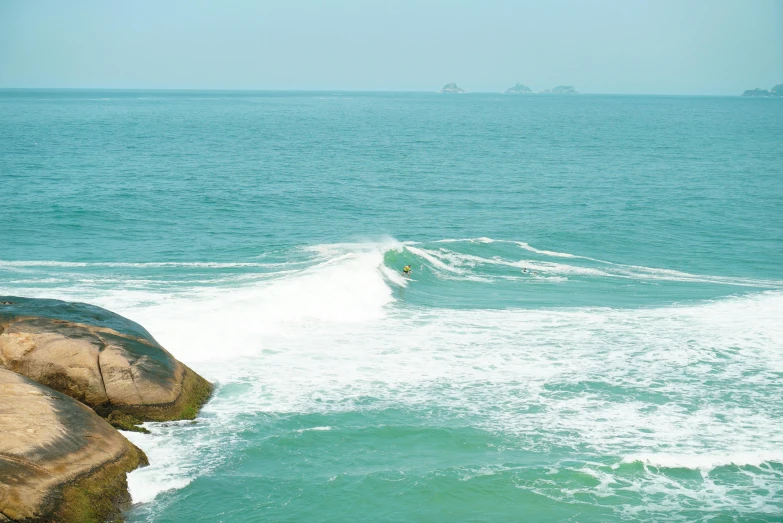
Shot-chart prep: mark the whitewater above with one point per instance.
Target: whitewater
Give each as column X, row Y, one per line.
column 627, row 397
column 592, row 330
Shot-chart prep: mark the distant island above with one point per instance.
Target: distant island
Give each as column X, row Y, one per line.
column 452, row 88
column 560, row 89
column 519, row 89
column 775, row 91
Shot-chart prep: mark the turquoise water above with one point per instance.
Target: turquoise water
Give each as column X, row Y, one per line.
column 593, row 330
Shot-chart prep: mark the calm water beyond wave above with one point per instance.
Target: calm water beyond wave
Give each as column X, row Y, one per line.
column 593, row 330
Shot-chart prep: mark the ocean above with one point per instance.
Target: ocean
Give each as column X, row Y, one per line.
column 593, row 329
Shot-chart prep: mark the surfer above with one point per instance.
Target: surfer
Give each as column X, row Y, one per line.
column 406, row 271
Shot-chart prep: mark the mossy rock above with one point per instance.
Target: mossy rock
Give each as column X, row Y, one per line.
column 100, row 496
column 122, row 421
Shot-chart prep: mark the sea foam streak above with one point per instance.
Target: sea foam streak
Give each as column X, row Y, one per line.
column 707, row 462
column 454, row 261
column 129, row 265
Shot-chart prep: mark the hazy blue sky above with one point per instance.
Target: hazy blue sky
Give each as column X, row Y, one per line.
column 607, row 46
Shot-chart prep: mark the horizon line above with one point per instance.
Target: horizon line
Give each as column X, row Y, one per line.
column 417, row 91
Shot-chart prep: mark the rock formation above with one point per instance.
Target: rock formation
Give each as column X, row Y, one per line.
column 99, row 358
column 59, row 461
column 560, row 89
column 452, row 88
column 775, row 91
column 519, row 89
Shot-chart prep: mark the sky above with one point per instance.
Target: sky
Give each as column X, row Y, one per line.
column 712, row 47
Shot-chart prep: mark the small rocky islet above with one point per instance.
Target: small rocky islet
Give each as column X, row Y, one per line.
column 519, row 89
column 452, row 88
column 776, row 91
column 560, row 89
column 70, row 375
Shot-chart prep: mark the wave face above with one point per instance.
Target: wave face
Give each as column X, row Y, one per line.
column 592, row 331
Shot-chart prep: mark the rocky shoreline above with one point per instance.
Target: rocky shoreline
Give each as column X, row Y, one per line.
column 69, row 374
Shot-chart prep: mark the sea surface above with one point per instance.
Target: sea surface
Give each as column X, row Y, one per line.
column 593, row 331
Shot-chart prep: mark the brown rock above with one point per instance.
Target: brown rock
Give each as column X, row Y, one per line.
column 59, row 461
column 100, row 358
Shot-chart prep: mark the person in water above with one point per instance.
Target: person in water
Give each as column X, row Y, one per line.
column 406, row 271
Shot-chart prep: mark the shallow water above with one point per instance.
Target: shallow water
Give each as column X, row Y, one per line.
column 592, row 331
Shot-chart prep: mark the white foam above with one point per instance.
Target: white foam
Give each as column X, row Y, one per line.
column 233, row 322
column 428, row 255
column 167, row 469
column 318, row 429
column 329, row 250
column 522, row 245
column 659, row 386
column 404, row 358
column 556, row 254
column 706, row 462
column 607, row 268
column 458, row 261
column 145, row 265
column 490, row 368
column 482, row 239
column 651, row 273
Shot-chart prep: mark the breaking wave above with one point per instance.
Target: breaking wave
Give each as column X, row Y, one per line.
column 336, row 328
